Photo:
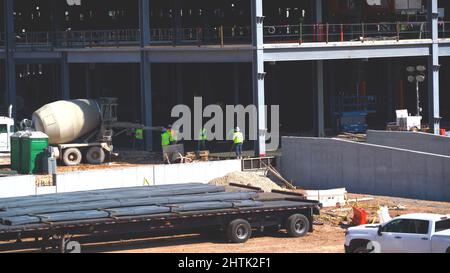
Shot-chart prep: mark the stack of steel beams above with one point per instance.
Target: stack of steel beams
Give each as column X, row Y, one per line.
column 119, row 202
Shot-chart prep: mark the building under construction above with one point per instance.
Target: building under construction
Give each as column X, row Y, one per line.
column 301, row 55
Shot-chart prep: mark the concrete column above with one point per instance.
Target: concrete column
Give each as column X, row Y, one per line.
column 65, row 78
column 433, row 68
column 259, row 75
column 179, row 83
column 10, row 64
column 145, row 72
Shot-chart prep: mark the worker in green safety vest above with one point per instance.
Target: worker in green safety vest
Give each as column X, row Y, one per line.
column 138, row 138
column 173, row 135
column 165, row 138
column 202, row 138
column 238, row 139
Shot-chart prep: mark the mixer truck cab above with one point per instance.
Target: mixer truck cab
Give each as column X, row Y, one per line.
column 6, row 130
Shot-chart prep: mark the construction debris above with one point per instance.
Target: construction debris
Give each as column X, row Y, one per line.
column 247, row 179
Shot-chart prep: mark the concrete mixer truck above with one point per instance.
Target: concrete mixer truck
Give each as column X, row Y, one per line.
column 82, row 129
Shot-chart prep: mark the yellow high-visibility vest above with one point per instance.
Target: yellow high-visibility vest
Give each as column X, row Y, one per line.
column 202, row 135
column 238, row 138
column 139, row 134
column 165, row 139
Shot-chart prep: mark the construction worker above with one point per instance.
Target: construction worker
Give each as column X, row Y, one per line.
column 173, row 135
column 238, row 139
column 139, row 137
column 165, row 138
column 202, row 138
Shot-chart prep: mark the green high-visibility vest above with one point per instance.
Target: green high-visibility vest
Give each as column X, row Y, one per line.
column 165, row 139
column 238, row 138
column 139, row 134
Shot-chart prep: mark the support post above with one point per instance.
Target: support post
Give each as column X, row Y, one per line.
column 145, row 73
column 433, row 69
column 319, row 121
column 259, row 75
column 236, row 83
column 65, row 78
column 10, row 64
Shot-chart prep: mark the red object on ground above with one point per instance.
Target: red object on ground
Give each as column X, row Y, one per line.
column 359, row 216
column 443, row 132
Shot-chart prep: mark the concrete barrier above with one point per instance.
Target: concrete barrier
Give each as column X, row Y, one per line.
column 104, row 179
column 421, row 142
column 202, row 172
column 317, row 163
column 17, row 186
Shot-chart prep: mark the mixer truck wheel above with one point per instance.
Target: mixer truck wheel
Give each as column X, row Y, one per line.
column 72, row 157
column 95, row 155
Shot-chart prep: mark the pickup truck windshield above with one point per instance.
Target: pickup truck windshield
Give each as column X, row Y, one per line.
column 442, row 225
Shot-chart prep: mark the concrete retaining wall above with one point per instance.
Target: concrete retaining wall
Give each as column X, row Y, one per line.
column 313, row 163
column 421, row 142
column 17, row 186
column 201, row 172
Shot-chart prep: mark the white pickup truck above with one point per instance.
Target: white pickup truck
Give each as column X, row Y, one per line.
column 411, row 233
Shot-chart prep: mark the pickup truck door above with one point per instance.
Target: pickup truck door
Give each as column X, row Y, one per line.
column 406, row 236
column 418, row 239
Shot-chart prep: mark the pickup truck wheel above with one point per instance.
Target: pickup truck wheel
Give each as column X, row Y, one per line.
column 72, row 157
column 361, row 249
column 297, row 225
column 239, row 231
column 95, row 155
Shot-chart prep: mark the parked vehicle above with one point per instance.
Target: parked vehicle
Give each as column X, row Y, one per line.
column 411, row 233
column 6, row 130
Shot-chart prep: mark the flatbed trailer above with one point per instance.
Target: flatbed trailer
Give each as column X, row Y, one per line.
column 278, row 211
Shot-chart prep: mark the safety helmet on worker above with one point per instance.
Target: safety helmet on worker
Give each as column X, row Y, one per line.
column 237, row 129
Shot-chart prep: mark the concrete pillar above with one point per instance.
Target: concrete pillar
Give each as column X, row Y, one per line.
column 433, row 69
column 65, row 78
column 319, row 121
column 179, row 83
column 259, row 75
column 145, row 72
column 10, row 64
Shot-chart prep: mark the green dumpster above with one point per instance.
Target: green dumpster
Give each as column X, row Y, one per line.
column 33, row 145
column 16, row 150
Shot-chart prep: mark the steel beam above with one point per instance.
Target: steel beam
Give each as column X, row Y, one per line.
column 433, row 69
column 259, row 75
column 10, row 65
column 65, row 78
column 145, row 73
column 319, row 115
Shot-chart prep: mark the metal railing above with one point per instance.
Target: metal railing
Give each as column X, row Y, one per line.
column 345, row 32
column 302, row 33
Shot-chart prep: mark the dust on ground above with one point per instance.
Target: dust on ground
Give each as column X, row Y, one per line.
column 247, row 179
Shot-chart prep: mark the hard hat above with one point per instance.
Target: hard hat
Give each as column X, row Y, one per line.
column 237, row 129
column 164, row 130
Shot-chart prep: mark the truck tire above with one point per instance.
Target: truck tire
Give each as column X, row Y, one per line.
column 239, row 231
column 361, row 249
column 72, row 157
column 95, row 155
column 297, row 225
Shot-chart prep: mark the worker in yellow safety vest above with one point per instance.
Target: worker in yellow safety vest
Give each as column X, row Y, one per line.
column 238, row 139
column 202, row 138
column 138, row 138
column 173, row 135
column 165, row 138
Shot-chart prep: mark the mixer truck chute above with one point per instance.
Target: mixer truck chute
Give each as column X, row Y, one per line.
column 82, row 129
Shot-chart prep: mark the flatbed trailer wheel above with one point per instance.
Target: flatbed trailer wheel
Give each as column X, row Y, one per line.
column 95, row 155
column 239, row 231
column 72, row 157
column 297, row 225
